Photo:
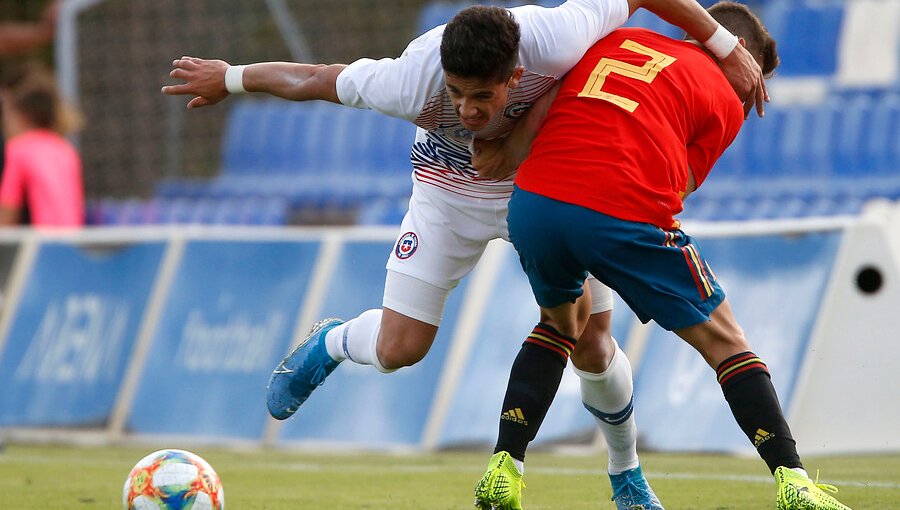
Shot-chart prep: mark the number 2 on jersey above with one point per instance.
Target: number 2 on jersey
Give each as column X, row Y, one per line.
column 646, row 73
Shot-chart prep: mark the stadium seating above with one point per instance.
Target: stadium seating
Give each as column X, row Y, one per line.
column 314, row 151
column 315, row 160
column 385, row 211
column 323, row 163
column 807, row 156
column 190, row 210
column 807, row 33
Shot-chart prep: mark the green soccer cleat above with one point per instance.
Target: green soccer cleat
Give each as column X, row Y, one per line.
column 797, row 492
column 501, row 486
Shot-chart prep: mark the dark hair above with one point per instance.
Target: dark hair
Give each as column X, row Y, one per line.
column 740, row 21
column 481, row 42
column 31, row 90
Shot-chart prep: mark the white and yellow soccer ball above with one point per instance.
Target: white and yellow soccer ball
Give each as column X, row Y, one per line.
column 173, row 480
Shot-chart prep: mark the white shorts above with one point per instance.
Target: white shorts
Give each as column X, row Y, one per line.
column 442, row 237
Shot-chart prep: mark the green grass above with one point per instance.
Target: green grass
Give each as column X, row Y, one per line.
column 64, row 477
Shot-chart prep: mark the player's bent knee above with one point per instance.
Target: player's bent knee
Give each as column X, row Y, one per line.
column 402, row 340
column 596, row 347
column 396, row 355
column 594, row 353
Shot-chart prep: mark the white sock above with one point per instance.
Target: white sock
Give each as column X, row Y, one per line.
column 520, row 465
column 610, row 393
column 802, row 472
column 355, row 339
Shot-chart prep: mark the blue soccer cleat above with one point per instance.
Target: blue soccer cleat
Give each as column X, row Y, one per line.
column 300, row 372
column 632, row 492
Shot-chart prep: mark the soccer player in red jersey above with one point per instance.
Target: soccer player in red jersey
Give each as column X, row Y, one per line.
column 635, row 126
column 468, row 80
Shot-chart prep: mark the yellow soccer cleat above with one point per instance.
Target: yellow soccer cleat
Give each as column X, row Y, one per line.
column 501, row 486
column 797, row 492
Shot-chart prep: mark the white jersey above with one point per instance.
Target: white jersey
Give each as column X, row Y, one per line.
column 411, row 87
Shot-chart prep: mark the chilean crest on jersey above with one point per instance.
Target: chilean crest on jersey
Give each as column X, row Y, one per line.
column 456, row 133
column 406, row 245
column 515, row 110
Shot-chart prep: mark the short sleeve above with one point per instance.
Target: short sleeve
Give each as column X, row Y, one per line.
column 12, row 186
column 398, row 87
column 554, row 39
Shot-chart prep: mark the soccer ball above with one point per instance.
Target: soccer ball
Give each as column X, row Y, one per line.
column 173, row 480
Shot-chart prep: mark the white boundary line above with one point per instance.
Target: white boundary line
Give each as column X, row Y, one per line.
column 402, row 467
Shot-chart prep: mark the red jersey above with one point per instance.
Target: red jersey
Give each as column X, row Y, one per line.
column 631, row 119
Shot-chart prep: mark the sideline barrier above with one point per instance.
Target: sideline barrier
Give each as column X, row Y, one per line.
column 73, row 332
column 359, row 406
column 228, row 319
column 775, row 286
column 186, row 324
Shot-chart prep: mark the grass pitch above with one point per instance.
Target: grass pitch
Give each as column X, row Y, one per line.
column 73, row 478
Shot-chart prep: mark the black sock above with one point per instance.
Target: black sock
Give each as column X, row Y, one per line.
column 748, row 389
column 533, row 382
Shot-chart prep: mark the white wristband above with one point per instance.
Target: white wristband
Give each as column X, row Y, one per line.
column 234, row 80
column 721, row 43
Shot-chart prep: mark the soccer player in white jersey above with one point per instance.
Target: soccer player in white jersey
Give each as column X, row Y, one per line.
column 453, row 214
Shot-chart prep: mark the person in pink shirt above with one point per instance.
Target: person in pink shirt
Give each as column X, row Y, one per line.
column 42, row 183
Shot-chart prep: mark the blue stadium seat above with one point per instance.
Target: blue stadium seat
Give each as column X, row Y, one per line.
column 383, row 212
column 789, row 207
column 802, row 149
column 886, row 136
column 308, row 154
column 242, row 137
column 645, row 19
column 182, row 188
column 737, row 208
column 100, row 212
column 854, row 130
column 271, row 211
column 876, row 146
column 807, row 33
column 702, row 206
column 203, row 211
column 127, row 212
column 762, row 139
column 733, row 162
column 176, row 211
column 437, row 13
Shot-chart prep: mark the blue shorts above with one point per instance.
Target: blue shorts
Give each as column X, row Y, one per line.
column 659, row 273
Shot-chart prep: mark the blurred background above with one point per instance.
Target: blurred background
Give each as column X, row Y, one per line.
column 217, row 236
column 833, row 119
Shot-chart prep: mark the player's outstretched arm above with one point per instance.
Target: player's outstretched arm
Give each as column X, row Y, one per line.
column 211, row 81
column 741, row 69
